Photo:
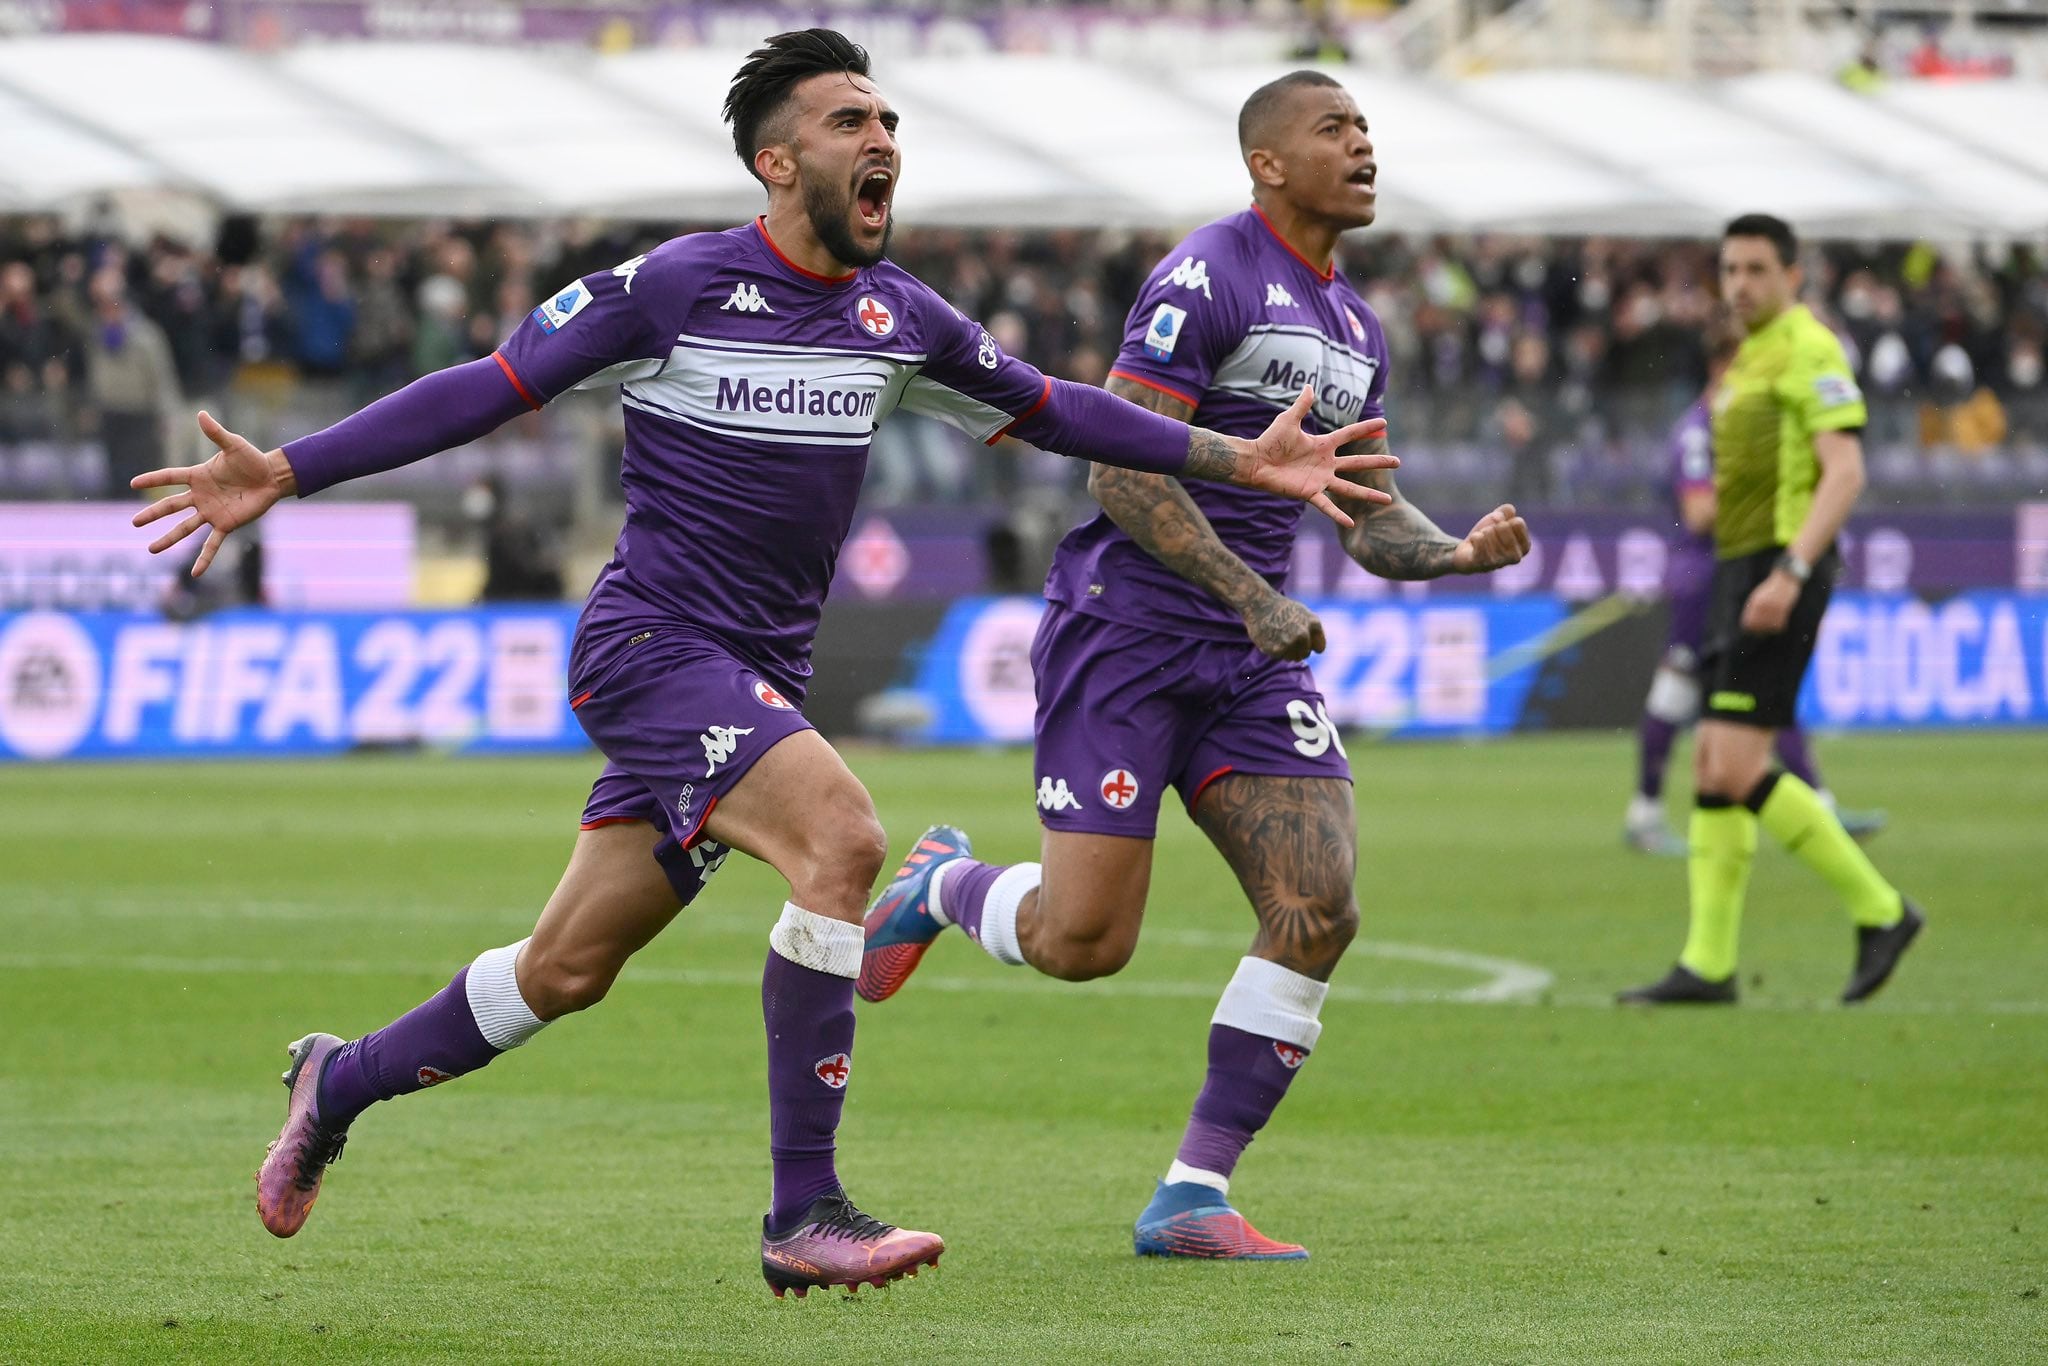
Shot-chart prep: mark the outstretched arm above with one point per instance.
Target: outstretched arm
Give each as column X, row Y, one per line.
column 239, row 483
column 1157, row 513
column 1397, row 540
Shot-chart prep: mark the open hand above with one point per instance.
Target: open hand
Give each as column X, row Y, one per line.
column 1498, row 539
column 1288, row 461
column 231, row 489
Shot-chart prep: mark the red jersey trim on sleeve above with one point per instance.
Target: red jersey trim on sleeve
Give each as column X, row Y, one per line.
column 524, row 393
column 1157, row 387
column 1044, row 396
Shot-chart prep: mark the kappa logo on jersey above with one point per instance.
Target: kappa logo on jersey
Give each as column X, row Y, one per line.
column 874, row 316
column 747, row 299
column 626, row 270
column 1191, row 275
column 1314, row 732
column 1836, row 391
column 1357, row 327
column 1278, row 297
column 1119, row 788
column 1290, row 1056
column 719, row 744
column 1055, row 795
column 768, row 697
column 834, row 1070
column 556, row 312
column 434, row 1076
column 1164, row 333
column 988, row 355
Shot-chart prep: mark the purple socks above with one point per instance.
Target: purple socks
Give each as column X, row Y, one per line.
column 965, row 893
column 433, row 1042
column 1247, row 1077
column 1653, row 753
column 807, row 1005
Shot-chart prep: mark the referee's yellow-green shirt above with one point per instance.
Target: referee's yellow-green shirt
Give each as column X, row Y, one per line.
column 1788, row 383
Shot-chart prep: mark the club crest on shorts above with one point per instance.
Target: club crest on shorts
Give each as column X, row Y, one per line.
column 767, row 696
column 434, row 1076
column 833, row 1071
column 874, row 316
column 1119, row 788
column 1290, row 1056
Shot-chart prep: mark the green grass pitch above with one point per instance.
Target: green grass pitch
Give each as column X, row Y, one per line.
column 1539, row 1179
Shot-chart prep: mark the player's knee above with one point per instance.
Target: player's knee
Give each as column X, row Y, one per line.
column 1334, row 923
column 843, row 858
column 560, row 982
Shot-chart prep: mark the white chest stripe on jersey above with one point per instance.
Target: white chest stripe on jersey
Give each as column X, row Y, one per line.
column 1272, row 364
column 791, row 396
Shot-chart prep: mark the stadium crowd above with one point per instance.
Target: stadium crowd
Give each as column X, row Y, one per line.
column 1542, row 370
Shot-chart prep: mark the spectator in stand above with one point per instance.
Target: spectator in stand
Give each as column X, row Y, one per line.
column 132, row 381
column 39, row 359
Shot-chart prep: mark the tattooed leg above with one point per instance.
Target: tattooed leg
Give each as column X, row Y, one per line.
column 1293, row 843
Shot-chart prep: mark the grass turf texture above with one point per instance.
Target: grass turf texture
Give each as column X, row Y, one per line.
column 1511, row 1182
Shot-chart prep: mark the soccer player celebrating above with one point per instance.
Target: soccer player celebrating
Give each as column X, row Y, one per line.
column 1788, row 466
column 1674, row 700
column 1170, row 654
column 753, row 365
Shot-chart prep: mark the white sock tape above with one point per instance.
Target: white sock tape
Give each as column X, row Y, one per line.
column 502, row 1015
column 817, row 941
column 1268, row 1000
column 999, row 912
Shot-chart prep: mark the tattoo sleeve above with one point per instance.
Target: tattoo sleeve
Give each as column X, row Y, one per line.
column 1293, row 843
column 1394, row 540
column 1209, row 455
column 1156, row 512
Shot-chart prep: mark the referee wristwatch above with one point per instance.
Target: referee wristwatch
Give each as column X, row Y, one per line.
column 1789, row 561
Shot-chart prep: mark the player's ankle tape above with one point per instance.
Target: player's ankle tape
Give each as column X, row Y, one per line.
column 1273, row 1002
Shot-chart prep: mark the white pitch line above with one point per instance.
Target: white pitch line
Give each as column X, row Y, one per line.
column 1489, row 993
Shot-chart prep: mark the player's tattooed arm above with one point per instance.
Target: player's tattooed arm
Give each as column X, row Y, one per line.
column 1156, row 512
column 1293, row 843
column 1396, row 540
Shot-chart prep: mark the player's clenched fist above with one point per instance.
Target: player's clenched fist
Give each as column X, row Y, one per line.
column 1283, row 628
column 1499, row 538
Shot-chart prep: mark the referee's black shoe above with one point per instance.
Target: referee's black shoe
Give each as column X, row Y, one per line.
column 1681, row 987
column 1878, row 951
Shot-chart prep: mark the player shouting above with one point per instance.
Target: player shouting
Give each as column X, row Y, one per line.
column 1170, row 654
column 753, row 365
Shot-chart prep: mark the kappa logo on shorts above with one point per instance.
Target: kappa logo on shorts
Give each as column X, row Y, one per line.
column 719, row 744
column 1314, row 732
column 434, row 1076
column 1055, row 795
column 768, row 697
column 1119, row 788
column 1290, row 1056
column 834, row 1070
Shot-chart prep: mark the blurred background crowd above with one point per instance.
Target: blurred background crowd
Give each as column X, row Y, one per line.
column 1542, row 370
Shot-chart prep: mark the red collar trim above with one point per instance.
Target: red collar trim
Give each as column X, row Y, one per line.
column 1322, row 273
column 761, row 225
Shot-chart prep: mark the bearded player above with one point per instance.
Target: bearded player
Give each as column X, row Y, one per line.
column 1170, row 654
column 753, row 366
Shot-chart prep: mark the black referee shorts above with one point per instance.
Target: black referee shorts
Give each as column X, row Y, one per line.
column 1753, row 680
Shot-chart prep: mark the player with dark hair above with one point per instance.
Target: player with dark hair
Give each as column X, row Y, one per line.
column 1673, row 703
column 753, row 366
column 1170, row 654
column 1788, row 466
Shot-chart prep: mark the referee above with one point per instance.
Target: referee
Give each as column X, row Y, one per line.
column 1788, row 466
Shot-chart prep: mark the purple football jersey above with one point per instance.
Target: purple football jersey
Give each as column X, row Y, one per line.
column 1235, row 322
column 1692, row 468
column 751, row 389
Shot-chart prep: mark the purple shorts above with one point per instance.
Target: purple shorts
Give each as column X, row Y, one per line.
column 1123, row 713
column 680, row 720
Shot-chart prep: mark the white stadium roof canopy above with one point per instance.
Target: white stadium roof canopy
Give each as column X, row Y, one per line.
column 431, row 128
